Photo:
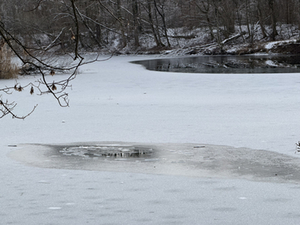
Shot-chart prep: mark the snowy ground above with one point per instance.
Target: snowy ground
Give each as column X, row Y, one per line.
column 121, row 102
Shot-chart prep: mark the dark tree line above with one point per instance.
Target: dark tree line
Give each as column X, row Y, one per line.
column 121, row 23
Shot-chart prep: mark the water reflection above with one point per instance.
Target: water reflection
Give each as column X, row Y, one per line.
column 226, row 64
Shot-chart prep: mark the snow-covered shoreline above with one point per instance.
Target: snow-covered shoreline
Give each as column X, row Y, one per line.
column 121, row 102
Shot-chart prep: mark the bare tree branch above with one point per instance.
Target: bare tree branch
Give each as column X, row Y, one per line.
column 7, row 109
column 35, row 7
column 54, row 87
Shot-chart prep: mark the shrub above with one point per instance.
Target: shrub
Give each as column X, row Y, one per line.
column 8, row 70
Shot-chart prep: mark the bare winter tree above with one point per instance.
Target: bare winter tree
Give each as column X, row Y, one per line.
column 37, row 56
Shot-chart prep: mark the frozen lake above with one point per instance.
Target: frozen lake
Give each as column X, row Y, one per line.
column 253, row 117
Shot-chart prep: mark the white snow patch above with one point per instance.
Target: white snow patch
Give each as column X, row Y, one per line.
column 272, row 44
column 271, row 63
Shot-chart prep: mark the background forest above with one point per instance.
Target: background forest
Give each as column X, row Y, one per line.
column 130, row 26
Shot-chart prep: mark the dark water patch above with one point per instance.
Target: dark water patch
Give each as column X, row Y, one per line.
column 106, row 151
column 226, row 64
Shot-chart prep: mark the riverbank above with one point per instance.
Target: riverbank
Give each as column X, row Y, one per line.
column 285, row 47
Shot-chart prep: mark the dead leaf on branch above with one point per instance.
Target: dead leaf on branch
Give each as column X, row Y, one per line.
column 53, row 87
column 31, row 90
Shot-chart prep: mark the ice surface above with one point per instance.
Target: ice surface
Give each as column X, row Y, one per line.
column 192, row 160
column 121, row 102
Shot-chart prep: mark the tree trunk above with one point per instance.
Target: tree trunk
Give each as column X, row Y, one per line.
column 157, row 41
column 205, row 10
column 261, row 23
column 273, row 20
column 135, row 15
column 161, row 12
column 157, row 28
column 119, row 18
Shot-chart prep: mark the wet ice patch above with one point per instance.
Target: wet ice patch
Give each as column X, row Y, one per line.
column 297, row 147
column 107, row 151
column 169, row 158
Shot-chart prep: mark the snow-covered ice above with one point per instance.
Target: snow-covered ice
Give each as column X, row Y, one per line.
column 115, row 101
